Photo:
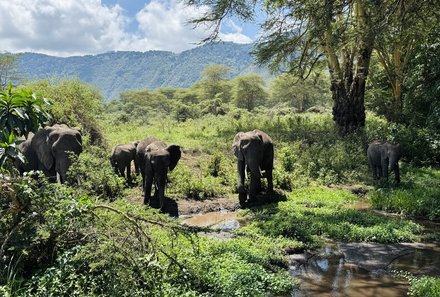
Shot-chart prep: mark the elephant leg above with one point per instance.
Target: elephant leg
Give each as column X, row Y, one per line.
column 161, row 196
column 147, row 189
column 241, row 167
column 269, row 177
column 397, row 173
column 121, row 170
column 255, row 184
column 385, row 169
column 129, row 173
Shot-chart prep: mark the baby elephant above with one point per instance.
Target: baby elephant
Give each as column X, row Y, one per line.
column 121, row 158
column 384, row 156
column 254, row 152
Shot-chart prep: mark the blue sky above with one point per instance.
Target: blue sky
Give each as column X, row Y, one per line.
column 79, row 27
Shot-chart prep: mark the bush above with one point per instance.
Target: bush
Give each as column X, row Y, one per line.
column 38, row 220
column 93, row 174
column 184, row 182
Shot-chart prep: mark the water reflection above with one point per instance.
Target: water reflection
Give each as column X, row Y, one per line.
column 328, row 273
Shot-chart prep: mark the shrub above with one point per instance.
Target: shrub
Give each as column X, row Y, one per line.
column 184, row 182
column 93, row 174
column 38, row 220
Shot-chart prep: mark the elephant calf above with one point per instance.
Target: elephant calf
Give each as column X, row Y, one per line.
column 121, row 158
column 155, row 160
column 384, row 156
column 254, row 151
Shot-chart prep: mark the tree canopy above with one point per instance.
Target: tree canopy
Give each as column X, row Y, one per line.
column 298, row 35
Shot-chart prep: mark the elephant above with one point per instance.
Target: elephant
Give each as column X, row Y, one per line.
column 157, row 159
column 121, row 158
column 48, row 150
column 384, row 156
column 254, row 152
column 140, row 153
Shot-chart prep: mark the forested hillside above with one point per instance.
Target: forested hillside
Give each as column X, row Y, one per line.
column 120, row 71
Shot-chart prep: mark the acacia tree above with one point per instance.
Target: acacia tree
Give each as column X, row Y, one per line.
column 299, row 34
column 8, row 71
column 395, row 45
column 249, row 91
column 214, row 82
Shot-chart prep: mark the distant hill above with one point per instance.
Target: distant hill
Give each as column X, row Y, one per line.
column 114, row 72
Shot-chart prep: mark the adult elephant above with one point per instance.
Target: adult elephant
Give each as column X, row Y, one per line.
column 384, row 156
column 157, row 159
column 121, row 158
column 254, row 152
column 48, row 150
column 140, row 154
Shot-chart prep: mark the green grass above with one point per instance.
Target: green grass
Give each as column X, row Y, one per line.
column 314, row 213
column 425, row 286
column 418, row 196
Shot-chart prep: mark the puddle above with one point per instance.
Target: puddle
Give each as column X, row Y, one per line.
column 221, row 220
column 353, row 269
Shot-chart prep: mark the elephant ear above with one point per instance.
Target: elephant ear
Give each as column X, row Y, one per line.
column 175, row 155
column 41, row 145
column 236, row 146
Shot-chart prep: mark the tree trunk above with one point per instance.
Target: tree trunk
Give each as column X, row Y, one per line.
column 348, row 108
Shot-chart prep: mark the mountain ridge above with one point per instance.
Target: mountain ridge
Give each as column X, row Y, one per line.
column 117, row 71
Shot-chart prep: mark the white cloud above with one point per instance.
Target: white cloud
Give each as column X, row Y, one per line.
column 236, row 35
column 72, row 27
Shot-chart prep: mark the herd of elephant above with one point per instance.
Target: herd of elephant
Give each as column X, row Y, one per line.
column 49, row 150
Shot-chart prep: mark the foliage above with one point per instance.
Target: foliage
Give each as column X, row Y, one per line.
column 299, row 93
column 416, row 197
column 21, row 112
column 92, row 173
column 396, row 44
column 38, row 220
column 311, row 213
column 8, row 69
column 214, row 83
column 56, row 243
column 425, row 286
column 422, row 103
column 190, row 185
column 250, row 91
column 74, row 103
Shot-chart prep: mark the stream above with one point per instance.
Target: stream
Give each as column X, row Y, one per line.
column 343, row 269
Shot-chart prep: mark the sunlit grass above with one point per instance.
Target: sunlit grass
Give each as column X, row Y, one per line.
column 313, row 214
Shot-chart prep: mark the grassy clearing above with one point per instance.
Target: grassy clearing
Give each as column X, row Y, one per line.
column 314, row 213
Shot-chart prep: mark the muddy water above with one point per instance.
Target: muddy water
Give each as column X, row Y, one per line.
column 362, row 270
column 222, row 220
column 343, row 269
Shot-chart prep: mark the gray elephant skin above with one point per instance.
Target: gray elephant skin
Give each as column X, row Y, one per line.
column 255, row 153
column 156, row 159
column 383, row 157
column 121, row 157
column 48, row 150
